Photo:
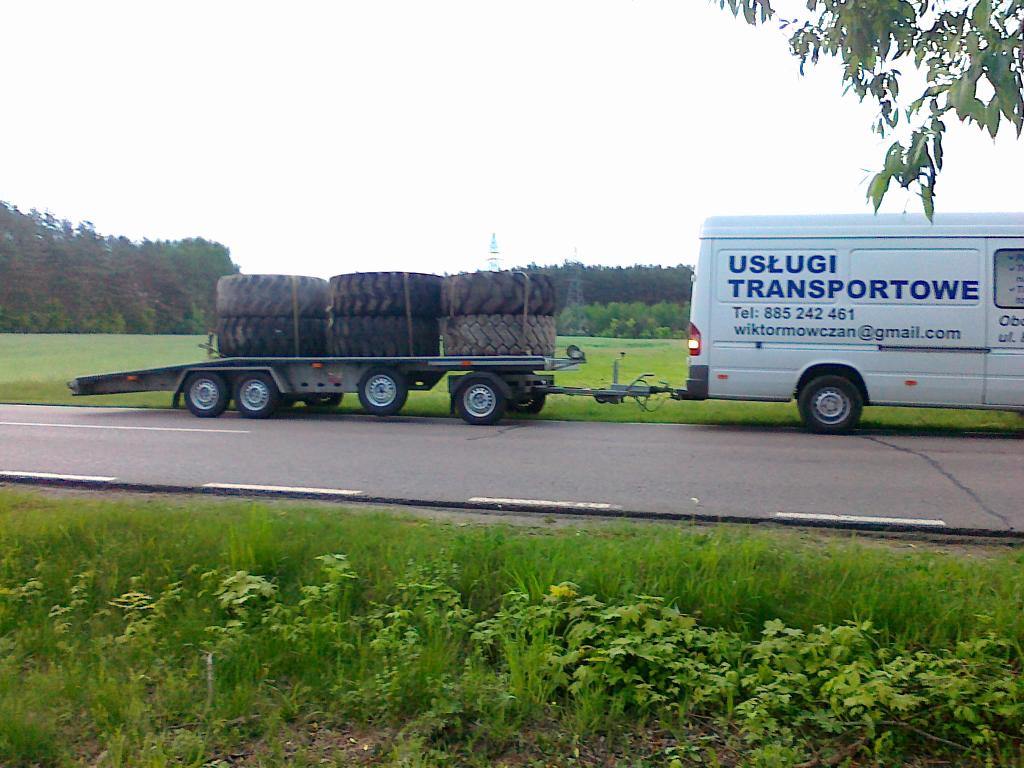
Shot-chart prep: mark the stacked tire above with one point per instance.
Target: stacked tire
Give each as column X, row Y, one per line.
column 384, row 314
column 272, row 316
column 498, row 313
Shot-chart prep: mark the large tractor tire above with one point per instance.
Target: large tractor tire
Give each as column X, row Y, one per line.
column 383, row 337
column 383, row 294
column 498, row 293
column 272, row 296
column 498, row 335
column 270, row 337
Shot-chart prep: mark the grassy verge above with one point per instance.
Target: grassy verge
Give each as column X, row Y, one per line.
column 36, row 368
column 153, row 633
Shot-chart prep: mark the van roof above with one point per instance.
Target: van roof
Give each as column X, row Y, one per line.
column 866, row 225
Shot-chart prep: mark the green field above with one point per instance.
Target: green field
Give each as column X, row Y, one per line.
column 138, row 632
column 35, row 369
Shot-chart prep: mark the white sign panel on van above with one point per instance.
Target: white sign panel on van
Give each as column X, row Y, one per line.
column 912, row 297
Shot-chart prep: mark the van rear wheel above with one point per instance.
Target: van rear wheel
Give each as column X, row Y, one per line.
column 830, row 405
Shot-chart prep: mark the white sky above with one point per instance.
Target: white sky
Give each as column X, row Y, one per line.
column 326, row 137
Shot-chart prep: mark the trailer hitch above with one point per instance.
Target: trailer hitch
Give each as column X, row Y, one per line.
column 639, row 389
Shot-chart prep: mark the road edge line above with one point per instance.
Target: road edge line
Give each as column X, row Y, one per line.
column 612, row 514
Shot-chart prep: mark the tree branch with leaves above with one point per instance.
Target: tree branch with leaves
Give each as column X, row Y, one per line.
column 969, row 54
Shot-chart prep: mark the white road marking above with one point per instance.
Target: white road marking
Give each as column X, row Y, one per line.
column 861, row 519
column 281, row 489
column 110, row 426
column 53, row 476
column 543, row 503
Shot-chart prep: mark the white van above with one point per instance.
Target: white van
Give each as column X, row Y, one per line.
column 847, row 311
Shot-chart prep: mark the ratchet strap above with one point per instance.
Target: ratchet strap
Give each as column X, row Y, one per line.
column 408, row 311
column 295, row 312
column 526, row 308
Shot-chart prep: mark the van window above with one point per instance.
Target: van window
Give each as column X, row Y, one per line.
column 1009, row 293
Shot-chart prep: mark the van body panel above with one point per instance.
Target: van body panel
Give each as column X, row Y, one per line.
column 1004, row 372
column 910, row 306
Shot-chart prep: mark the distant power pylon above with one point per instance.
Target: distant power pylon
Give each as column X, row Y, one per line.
column 574, row 295
column 494, row 259
column 574, row 321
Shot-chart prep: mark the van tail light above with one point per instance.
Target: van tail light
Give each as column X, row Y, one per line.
column 695, row 341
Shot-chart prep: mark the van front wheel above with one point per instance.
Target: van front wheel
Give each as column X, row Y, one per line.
column 830, row 405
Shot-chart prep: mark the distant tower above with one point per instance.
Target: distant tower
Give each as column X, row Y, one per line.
column 494, row 260
column 574, row 294
column 574, row 319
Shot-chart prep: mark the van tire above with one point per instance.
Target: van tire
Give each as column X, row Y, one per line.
column 830, row 405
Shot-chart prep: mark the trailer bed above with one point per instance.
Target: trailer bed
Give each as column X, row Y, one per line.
column 482, row 388
column 312, row 375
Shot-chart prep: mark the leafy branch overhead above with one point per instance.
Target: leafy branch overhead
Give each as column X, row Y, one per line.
column 968, row 53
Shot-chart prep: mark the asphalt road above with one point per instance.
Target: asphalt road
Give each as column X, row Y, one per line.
column 932, row 482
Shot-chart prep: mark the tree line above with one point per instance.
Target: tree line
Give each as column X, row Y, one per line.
column 57, row 277
column 644, row 283
column 644, row 301
column 60, row 277
column 626, row 320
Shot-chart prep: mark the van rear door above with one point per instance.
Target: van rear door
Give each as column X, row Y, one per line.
column 1004, row 366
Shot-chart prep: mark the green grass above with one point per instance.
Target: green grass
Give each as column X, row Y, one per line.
column 35, row 369
column 110, row 611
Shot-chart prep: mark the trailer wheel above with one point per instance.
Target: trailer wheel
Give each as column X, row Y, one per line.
column 256, row 395
column 382, row 391
column 319, row 401
column 830, row 405
column 534, row 405
column 479, row 401
column 206, row 394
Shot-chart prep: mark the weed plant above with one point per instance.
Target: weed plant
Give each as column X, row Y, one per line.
column 150, row 633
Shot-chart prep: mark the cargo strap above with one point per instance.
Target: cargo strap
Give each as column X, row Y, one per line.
column 295, row 312
column 449, row 288
column 526, row 308
column 408, row 311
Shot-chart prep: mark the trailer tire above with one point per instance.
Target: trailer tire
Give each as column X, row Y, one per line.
column 479, row 401
column 383, row 391
column 383, row 294
column 383, row 337
column 499, row 335
column 534, row 405
column 206, row 394
column 256, row 395
column 271, row 337
column 498, row 293
column 830, row 405
column 323, row 401
column 272, row 296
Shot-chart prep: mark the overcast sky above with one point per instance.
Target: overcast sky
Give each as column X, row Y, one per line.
column 321, row 138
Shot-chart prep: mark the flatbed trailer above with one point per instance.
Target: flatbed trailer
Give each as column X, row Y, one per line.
column 484, row 389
